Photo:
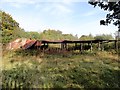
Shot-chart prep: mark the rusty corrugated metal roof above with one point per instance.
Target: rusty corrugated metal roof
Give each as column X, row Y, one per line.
column 53, row 41
column 28, row 44
column 20, row 42
column 16, row 44
column 38, row 43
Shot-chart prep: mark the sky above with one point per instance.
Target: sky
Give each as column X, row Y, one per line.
column 69, row 16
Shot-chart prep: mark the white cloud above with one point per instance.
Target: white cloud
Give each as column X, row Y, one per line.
column 39, row 1
column 55, row 9
column 20, row 1
column 59, row 10
column 90, row 13
column 16, row 5
column 63, row 8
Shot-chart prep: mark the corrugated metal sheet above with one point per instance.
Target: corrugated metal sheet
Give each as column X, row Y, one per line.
column 28, row 44
column 20, row 42
column 38, row 43
column 16, row 44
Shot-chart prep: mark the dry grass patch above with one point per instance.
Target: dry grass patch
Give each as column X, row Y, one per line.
column 87, row 70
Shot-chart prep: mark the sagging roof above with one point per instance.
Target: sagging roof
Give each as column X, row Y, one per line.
column 76, row 41
column 28, row 43
column 22, row 43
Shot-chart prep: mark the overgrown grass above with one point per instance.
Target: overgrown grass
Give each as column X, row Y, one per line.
column 61, row 70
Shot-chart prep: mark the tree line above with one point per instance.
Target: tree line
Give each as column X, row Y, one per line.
column 10, row 30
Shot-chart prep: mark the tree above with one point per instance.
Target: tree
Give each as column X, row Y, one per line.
column 87, row 37
column 32, row 35
column 9, row 28
column 103, row 37
column 113, row 6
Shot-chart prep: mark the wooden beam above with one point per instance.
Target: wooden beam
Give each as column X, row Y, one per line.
column 102, row 46
column 91, row 46
column 116, row 45
column 62, row 46
column 65, row 46
column 81, row 46
column 99, row 46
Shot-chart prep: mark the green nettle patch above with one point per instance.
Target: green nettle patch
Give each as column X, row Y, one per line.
column 25, row 69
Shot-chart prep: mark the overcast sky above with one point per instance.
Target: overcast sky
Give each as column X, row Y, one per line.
column 69, row 16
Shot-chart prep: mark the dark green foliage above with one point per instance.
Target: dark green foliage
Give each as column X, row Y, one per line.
column 89, row 70
column 97, row 37
column 56, row 35
column 8, row 22
column 69, row 37
column 10, row 29
column 113, row 6
column 109, row 46
column 87, row 37
column 103, row 37
column 19, row 77
column 51, row 35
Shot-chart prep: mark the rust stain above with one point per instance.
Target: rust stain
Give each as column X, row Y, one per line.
column 38, row 43
column 21, row 43
column 28, row 44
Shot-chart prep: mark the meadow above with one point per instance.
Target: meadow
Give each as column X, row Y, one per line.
column 58, row 69
column 35, row 69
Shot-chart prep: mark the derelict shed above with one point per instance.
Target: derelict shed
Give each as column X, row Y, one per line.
column 63, row 44
column 80, row 43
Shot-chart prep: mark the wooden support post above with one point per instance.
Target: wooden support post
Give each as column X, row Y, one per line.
column 62, row 46
column 88, row 44
column 48, row 46
column 116, row 45
column 44, row 48
column 98, row 45
column 75, row 46
column 44, row 43
column 81, row 47
column 91, row 46
column 65, row 46
column 102, row 46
